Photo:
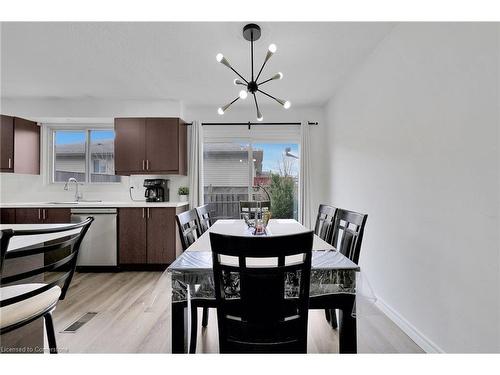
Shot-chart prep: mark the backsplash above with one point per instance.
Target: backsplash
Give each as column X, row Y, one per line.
column 31, row 188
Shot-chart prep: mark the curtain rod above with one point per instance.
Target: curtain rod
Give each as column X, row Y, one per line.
column 252, row 123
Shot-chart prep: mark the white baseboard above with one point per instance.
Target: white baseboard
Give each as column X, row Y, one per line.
column 420, row 339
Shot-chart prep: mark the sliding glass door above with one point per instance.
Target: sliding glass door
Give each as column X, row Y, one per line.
column 237, row 171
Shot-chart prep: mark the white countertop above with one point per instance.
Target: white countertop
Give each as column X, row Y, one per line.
column 102, row 204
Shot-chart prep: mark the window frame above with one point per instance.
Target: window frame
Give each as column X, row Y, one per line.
column 87, row 128
column 255, row 135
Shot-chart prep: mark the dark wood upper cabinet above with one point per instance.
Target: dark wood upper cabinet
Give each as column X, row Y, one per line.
column 162, row 144
column 150, row 146
column 7, row 144
column 130, row 145
column 132, row 236
column 26, row 146
column 20, row 145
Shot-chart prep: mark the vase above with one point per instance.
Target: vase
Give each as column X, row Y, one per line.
column 183, row 198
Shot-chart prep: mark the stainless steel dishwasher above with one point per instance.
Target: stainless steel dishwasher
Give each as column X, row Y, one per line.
column 99, row 245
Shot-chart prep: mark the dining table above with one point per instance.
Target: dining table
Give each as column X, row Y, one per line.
column 332, row 285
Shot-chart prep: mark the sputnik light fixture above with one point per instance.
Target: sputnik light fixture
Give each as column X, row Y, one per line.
column 251, row 32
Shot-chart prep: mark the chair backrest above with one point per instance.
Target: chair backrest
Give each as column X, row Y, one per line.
column 348, row 233
column 324, row 222
column 62, row 266
column 189, row 227
column 250, row 208
column 262, row 292
column 204, row 218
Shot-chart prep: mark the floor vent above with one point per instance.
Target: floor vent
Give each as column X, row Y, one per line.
column 80, row 322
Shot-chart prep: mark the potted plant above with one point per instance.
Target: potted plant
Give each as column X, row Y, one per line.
column 183, row 193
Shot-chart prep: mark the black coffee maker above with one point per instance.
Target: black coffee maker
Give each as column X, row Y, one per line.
column 156, row 190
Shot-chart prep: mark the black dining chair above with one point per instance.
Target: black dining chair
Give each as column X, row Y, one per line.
column 189, row 231
column 204, row 218
column 324, row 222
column 21, row 299
column 324, row 230
column 189, row 227
column 250, row 208
column 348, row 230
column 262, row 292
column 347, row 236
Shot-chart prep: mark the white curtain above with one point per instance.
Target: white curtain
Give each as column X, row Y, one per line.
column 196, row 165
column 305, row 175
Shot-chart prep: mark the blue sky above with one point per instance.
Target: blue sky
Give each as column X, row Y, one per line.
column 65, row 137
column 273, row 153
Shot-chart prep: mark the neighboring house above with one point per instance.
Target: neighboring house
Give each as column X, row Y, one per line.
column 70, row 161
column 226, row 176
column 229, row 157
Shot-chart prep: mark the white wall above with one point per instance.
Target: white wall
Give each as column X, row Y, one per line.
column 245, row 112
column 414, row 142
column 31, row 188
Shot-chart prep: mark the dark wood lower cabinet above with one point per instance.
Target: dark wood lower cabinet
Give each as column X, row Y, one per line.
column 147, row 236
column 132, row 236
column 43, row 215
column 161, row 235
column 7, row 215
column 29, row 216
column 57, row 215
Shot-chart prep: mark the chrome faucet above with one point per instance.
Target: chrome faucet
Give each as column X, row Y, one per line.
column 78, row 195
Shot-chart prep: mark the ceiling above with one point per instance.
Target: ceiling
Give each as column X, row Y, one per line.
column 176, row 61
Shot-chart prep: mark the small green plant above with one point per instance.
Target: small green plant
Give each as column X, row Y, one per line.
column 183, row 190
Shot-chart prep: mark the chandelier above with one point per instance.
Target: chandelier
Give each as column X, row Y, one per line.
column 251, row 32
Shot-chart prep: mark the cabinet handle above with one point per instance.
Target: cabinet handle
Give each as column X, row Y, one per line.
column 143, row 163
column 44, row 214
column 148, row 212
column 10, row 163
column 143, row 212
column 147, row 164
column 39, row 214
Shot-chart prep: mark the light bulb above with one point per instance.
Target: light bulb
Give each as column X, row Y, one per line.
column 219, row 57
column 243, row 94
column 278, row 75
column 238, row 82
column 259, row 115
column 272, row 48
column 220, row 111
column 287, row 104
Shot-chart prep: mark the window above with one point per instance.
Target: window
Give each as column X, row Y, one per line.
column 237, row 171
column 84, row 154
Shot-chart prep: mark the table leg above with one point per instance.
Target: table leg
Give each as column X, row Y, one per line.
column 347, row 328
column 179, row 327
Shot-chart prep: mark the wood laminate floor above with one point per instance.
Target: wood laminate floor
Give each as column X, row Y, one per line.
column 133, row 316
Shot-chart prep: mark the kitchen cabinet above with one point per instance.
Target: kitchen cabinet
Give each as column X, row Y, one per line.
column 132, row 236
column 147, row 235
column 150, row 146
column 20, row 146
column 7, row 144
column 43, row 215
column 161, row 235
column 130, row 146
column 7, row 215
